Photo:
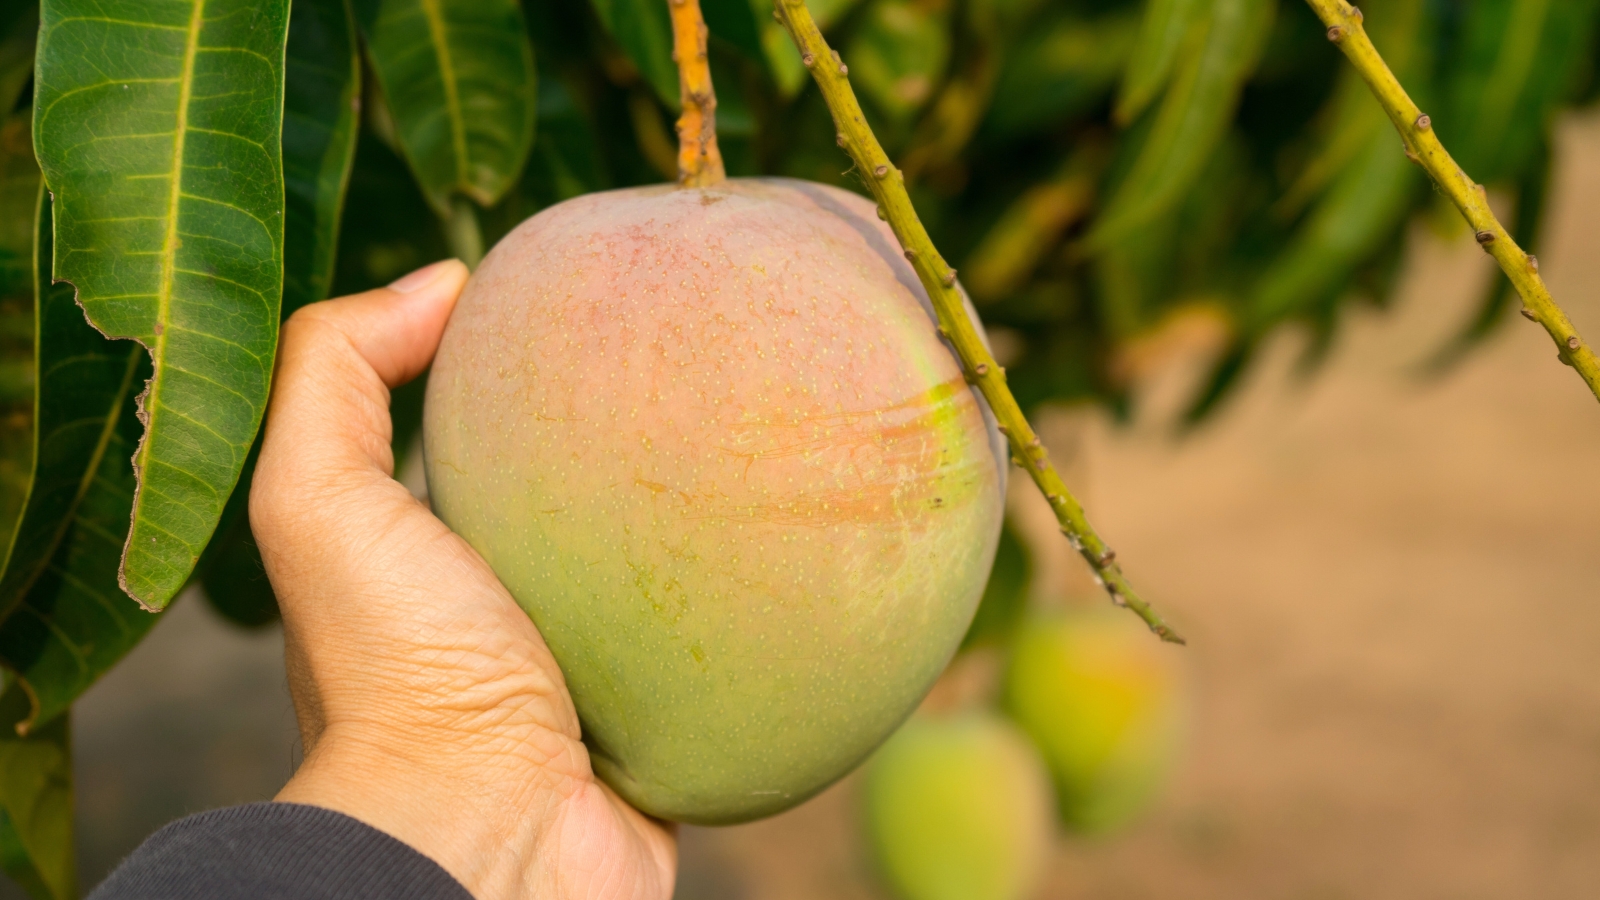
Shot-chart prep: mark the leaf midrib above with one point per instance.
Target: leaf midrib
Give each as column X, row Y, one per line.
column 169, row 262
column 447, row 75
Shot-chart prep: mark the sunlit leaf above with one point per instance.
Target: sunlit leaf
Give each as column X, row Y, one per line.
column 157, row 125
column 1192, row 118
column 36, row 802
column 459, row 79
column 1517, row 61
column 899, row 53
column 1161, row 34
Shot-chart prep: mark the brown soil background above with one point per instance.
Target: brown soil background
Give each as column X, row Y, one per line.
column 1391, row 585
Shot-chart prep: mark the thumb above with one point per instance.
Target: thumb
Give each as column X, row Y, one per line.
column 337, row 361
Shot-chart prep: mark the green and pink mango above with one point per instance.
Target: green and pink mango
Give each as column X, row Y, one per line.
column 712, row 443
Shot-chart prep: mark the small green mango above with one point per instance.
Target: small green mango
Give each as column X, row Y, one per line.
column 1105, row 702
column 958, row 808
column 711, row 441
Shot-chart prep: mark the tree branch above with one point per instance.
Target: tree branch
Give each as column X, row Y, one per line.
column 888, row 185
column 699, row 159
column 1424, row 148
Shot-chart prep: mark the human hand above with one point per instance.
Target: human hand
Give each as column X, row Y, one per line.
column 428, row 704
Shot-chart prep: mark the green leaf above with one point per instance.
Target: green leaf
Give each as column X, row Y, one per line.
column 36, row 802
column 459, row 80
column 1192, row 119
column 322, row 95
column 898, row 55
column 158, row 128
column 1517, row 61
column 1155, row 52
column 63, row 619
column 643, row 29
column 1359, row 214
column 1059, row 70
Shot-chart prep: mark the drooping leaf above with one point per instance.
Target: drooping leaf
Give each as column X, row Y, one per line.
column 1059, row 69
column 458, row 76
column 36, row 847
column 1361, row 211
column 322, row 96
column 63, row 618
column 1517, row 61
column 898, row 55
column 158, row 128
column 1161, row 34
column 643, row 29
column 1192, row 118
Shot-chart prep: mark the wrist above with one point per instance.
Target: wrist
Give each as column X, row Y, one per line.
column 482, row 830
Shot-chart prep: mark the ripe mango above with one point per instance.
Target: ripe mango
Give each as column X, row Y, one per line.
column 1106, row 703
column 712, row 443
column 958, row 808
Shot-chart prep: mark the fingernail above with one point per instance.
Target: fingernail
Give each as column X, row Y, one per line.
column 419, row 279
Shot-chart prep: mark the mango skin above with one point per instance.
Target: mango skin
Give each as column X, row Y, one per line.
column 1106, row 703
column 711, row 442
column 958, row 808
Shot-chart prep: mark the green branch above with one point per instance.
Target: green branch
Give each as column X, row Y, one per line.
column 1423, row 147
column 888, row 186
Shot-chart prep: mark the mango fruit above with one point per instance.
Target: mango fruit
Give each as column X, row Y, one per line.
column 1106, row 703
column 712, row 443
column 958, row 808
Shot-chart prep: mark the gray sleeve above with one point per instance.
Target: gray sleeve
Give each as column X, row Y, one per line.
column 268, row 851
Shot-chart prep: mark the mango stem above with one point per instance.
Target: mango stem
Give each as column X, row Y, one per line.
column 699, row 159
column 1423, row 147
column 887, row 184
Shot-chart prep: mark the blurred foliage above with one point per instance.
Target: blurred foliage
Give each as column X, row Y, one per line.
column 1092, row 167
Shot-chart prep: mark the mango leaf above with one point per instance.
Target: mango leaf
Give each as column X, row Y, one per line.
column 1400, row 30
column 898, row 55
column 63, row 619
column 1192, row 119
column 1058, row 70
column 643, row 29
column 158, row 128
column 36, row 847
column 1361, row 211
column 1161, row 33
column 459, row 79
column 1517, row 61
column 322, row 96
